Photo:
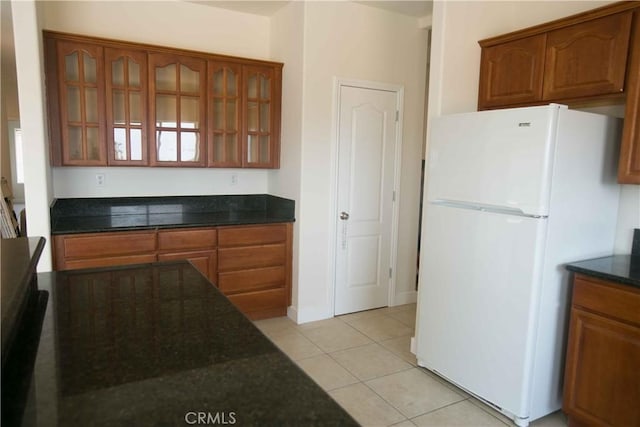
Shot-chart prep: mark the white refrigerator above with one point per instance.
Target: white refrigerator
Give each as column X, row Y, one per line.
column 511, row 196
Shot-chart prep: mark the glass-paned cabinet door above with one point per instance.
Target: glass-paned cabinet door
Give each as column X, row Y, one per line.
column 262, row 110
column 81, row 103
column 126, row 93
column 177, row 108
column 224, row 103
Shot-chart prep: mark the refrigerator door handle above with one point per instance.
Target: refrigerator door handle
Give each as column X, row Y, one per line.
column 504, row 210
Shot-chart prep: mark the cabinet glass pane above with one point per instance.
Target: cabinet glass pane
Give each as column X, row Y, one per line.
column 119, row 115
column 265, row 87
column 135, row 108
column 218, row 115
column 134, row 73
column 91, row 104
column 135, row 139
column 71, row 69
column 166, row 77
column 265, row 110
column 189, row 147
column 252, row 86
column 218, row 147
column 120, row 143
column 189, row 112
column 232, row 147
column 252, row 148
column 167, row 146
column 166, row 111
column 117, row 72
column 252, row 116
column 264, row 149
column 93, row 144
column 218, row 82
column 231, row 115
column 232, row 83
column 73, row 104
column 75, row 142
column 89, row 63
column 189, row 79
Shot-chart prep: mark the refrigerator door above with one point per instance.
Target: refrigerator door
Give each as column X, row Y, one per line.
column 500, row 158
column 478, row 301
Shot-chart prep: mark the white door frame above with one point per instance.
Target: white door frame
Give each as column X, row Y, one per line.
column 339, row 82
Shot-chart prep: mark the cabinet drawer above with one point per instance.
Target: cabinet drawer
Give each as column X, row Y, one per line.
column 108, row 261
column 251, row 257
column 107, row 244
column 260, row 300
column 186, row 239
column 607, row 298
column 247, row 236
column 251, row 280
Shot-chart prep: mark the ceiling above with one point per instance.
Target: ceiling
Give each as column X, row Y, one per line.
column 416, row 8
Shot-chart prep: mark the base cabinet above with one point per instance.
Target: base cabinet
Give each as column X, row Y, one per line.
column 602, row 372
column 250, row 264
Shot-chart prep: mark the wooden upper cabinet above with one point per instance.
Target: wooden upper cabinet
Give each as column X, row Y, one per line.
column 587, row 59
column 177, row 108
column 126, row 87
column 511, row 73
column 77, row 71
column 261, row 147
column 224, row 107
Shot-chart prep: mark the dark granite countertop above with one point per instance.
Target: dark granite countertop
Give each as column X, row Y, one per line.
column 623, row 269
column 159, row 345
column 89, row 215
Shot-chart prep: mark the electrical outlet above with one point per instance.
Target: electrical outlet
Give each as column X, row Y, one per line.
column 100, row 179
column 234, row 179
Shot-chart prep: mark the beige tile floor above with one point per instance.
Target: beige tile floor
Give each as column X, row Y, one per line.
column 363, row 361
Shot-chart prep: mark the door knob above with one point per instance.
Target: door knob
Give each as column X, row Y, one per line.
column 344, row 216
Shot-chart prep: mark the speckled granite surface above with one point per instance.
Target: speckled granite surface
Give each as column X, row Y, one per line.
column 139, row 213
column 158, row 345
column 623, row 269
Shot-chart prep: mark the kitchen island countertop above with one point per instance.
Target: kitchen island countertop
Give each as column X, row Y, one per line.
column 158, row 344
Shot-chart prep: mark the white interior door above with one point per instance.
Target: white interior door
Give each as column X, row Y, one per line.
column 367, row 138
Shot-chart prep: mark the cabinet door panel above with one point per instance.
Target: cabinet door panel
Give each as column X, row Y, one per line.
column 126, row 86
column 251, row 257
column 261, row 128
column 81, row 104
column 256, row 235
column 177, row 105
column 224, row 100
column 511, row 73
column 204, row 261
column 256, row 304
column 587, row 59
column 602, row 375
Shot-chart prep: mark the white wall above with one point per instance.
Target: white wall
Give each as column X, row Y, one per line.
column 166, row 23
column 455, row 63
column 287, row 45
column 30, row 72
column 349, row 40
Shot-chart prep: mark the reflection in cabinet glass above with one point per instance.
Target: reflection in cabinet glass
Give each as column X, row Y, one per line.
column 126, row 101
column 81, row 93
column 224, row 115
column 177, row 109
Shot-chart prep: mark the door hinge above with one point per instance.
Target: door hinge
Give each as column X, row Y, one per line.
column 397, row 115
column 390, row 273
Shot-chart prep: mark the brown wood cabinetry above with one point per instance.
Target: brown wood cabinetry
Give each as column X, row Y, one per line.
column 250, row 264
column 602, row 372
column 511, row 73
column 254, row 268
column 116, row 103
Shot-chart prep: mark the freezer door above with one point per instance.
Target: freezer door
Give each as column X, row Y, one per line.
column 478, row 301
column 496, row 158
